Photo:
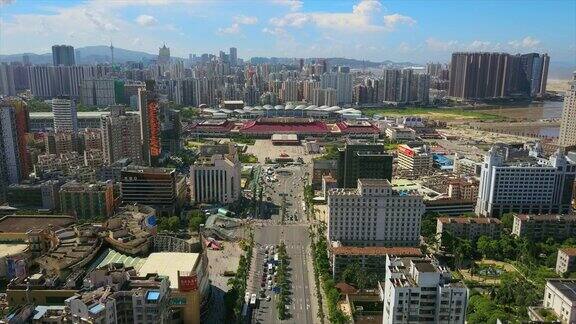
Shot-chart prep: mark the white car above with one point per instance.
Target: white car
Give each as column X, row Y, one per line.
column 268, row 298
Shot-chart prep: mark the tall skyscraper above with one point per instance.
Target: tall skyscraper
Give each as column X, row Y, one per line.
column 63, row 55
column 148, row 105
column 164, row 55
column 97, row 92
column 65, row 115
column 121, row 136
column 233, row 56
column 40, row 77
column 568, row 122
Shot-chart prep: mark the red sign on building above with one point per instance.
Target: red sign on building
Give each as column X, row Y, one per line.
column 406, row 150
column 188, row 283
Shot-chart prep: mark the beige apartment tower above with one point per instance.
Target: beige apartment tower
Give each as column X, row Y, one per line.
column 568, row 121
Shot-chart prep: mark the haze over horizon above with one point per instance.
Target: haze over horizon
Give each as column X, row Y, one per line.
column 365, row 30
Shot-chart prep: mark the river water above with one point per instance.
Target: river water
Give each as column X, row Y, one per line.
column 534, row 111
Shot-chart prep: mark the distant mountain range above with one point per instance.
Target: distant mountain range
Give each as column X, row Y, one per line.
column 101, row 54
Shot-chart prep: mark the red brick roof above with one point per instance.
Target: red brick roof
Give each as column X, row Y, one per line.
column 360, row 128
column 345, row 288
column 571, row 251
column 376, row 250
column 297, row 126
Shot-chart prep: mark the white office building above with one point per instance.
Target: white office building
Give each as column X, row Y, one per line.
column 65, row 115
column 374, row 214
column 215, row 176
column 528, row 186
column 419, row 290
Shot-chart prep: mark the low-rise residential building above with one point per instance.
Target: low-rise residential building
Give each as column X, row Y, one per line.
column 463, row 189
column 415, row 161
column 369, row 258
column 321, row 168
column 400, row 133
column 189, row 284
column 328, row 183
column 87, row 200
column 419, row 290
column 560, row 297
column 566, row 260
column 469, row 228
column 374, row 214
column 541, row 227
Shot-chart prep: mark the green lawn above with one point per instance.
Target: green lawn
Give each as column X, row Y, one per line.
column 439, row 113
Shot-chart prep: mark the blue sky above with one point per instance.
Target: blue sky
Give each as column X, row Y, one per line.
column 408, row 30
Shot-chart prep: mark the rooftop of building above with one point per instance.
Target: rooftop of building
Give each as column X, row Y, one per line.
column 12, row 249
column 169, row 264
column 566, row 287
column 543, row 218
column 24, row 223
column 75, row 186
column 469, row 220
column 109, row 256
column 147, row 170
column 375, row 250
column 570, row 251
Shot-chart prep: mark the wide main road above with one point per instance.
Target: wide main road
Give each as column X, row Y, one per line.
column 297, row 242
column 287, row 194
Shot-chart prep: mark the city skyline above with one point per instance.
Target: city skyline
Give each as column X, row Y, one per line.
column 369, row 29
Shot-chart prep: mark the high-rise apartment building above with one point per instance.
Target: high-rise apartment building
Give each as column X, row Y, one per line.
column 10, row 170
column 17, row 118
column 289, row 91
column 358, row 160
column 374, row 214
column 233, row 56
column 568, row 122
column 63, row 55
column 528, row 186
column 149, row 107
column 215, row 176
column 97, row 92
column 401, row 86
column 7, row 82
column 494, row 75
column 65, row 115
column 420, row 290
column 121, row 136
column 340, row 81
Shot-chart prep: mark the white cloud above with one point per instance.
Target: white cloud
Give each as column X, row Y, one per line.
column 233, row 29
column 293, row 5
column 404, row 47
column 6, row 2
column 439, row 45
column 527, row 42
column 236, row 22
column 146, row 20
column 362, row 18
column 390, row 21
column 479, row 45
column 245, row 20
